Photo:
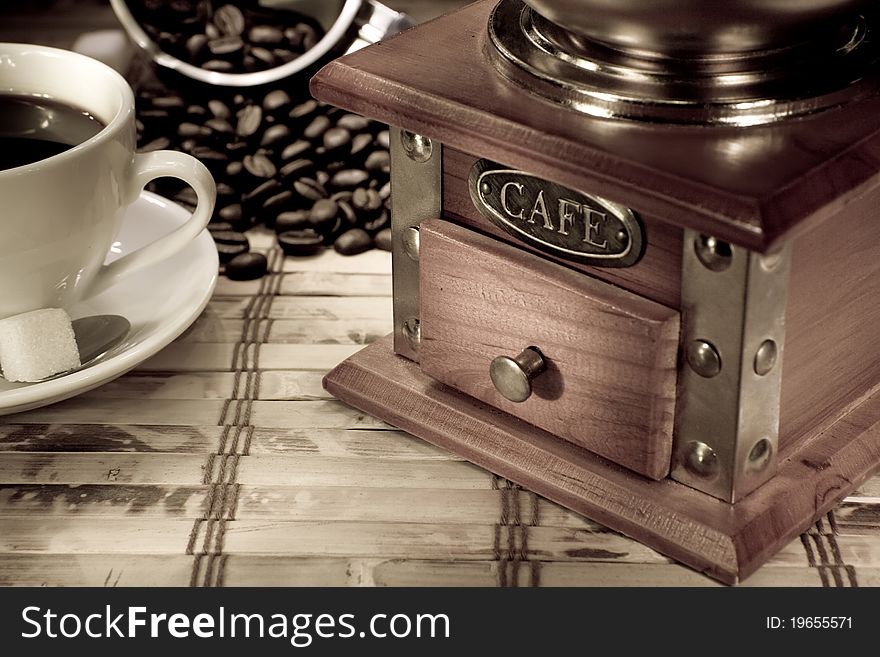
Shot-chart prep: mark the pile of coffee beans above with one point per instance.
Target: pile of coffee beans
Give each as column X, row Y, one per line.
column 227, row 37
column 314, row 174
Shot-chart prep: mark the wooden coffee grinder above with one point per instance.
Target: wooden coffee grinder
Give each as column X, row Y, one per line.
column 636, row 258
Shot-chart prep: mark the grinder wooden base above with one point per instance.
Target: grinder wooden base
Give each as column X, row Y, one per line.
column 725, row 541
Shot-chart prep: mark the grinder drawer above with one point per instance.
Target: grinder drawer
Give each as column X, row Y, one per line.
column 592, row 363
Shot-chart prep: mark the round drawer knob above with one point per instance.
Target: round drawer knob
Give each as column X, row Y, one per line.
column 513, row 376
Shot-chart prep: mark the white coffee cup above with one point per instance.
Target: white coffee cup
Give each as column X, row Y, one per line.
column 59, row 215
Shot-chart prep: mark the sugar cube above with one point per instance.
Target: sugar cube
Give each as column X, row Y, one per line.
column 37, row 344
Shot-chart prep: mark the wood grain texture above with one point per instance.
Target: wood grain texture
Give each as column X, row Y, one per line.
column 749, row 186
column 656, row 276
column 831, row 324
column 611, row 355
column 727, row 542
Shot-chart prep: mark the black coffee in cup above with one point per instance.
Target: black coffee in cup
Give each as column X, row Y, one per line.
column 33, row 128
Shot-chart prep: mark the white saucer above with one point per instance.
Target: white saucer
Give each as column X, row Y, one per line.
column 160, row 302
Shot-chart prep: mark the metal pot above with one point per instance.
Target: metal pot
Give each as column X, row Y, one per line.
column 693, row 27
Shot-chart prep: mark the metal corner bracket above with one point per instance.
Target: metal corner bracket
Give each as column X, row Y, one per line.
column 730, row 370
column 416, row 195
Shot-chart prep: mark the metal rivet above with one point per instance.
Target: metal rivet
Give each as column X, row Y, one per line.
column 701, row 460
column 765, row 357
column 703, row 358
column 410, row 240
column 485, row 188
column 713, row 253
column 417, row 148
column 412, row 330
column 769, row 261
column 759, row 455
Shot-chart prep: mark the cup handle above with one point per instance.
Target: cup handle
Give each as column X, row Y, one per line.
column 146, row 167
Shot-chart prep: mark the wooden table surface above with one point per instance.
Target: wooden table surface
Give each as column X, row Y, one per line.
column 221, row 461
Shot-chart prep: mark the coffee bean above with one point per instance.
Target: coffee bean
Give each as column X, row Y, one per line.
column 262, row 191
column 323, row 215
column 155, row 115
column 295, row 150
column 231, row 213
column 219, row 227
column 229, row 20
column 212, row 31
column 349, row 178
column 263, row 57
column 196, row 45
column 237, row 146
column 304, row 110
column 383, row 139
column 209, row 156
column 166, row 39
column 276, row 101
column 259, row 166
column 234, row 169
column 249, row 120
column 231, row 237
column 300, row 242
column 168, row 102
column 360, row 144
column 247, row 267
column 309, row 36
column 227, row 252
column 220, row 110
column 378, row 223
column 265, row 34
column 185, row 130
column 292, row 220
column 275, row 134
column 220, row 126
column 382, row 239
column 347, row 212
column 336, row 139
column 218, row 65
column 181, row 6
column 225, row 45
column 353, row 241
column 196, row 112
column 283, row 54
column 316, row 129
column 274, row 204
column 353, row 122
column 378, row 161
column 310, row 189
column 293, row 37
column 297, row 169
column 366, row 201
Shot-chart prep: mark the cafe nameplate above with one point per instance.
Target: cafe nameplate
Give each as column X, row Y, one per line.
column 557, row 220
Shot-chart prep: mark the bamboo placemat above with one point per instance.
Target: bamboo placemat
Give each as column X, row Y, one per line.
column 222, row 462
